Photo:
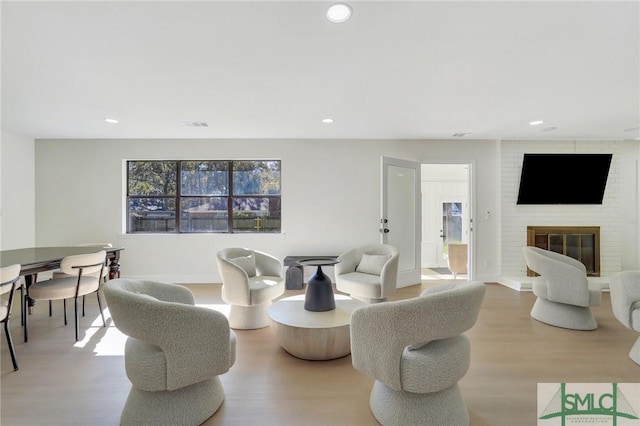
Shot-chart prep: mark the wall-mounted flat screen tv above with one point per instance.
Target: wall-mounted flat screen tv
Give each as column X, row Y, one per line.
column 563, row 178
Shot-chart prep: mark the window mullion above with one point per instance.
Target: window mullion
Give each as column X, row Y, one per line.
column 128, row 203
column 230, row 198
column 178, row 195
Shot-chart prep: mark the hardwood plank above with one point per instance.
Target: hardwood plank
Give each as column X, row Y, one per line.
column 63, row 383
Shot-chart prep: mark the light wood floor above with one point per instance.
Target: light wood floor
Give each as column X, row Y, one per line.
column 63, row 383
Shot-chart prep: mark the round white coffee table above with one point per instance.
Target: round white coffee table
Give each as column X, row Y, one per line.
column 313, row 335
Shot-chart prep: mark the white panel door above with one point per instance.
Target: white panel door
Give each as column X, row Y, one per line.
column 453, row 229
column 402, row 215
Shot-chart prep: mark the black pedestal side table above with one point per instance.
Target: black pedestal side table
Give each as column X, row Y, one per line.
column 319, row 294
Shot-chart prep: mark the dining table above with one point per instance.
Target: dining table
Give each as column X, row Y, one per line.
column 33, row 260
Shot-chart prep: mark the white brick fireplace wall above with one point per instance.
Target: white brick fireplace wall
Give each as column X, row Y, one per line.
column 516, row 218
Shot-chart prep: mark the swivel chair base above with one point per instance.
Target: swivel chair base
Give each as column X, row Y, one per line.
column 634, row 354
column 249, row 317
column 563, row 315
column 397, row 408
column 191, row 405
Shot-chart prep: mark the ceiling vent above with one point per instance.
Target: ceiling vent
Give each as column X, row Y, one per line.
column 195, row 124
column 459, row 135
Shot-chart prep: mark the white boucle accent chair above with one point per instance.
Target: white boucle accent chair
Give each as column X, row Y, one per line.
column 174, row 352
column 368, row 273
column 624, row 288
column 251, row 279
column 564, row 295
column 416, row 352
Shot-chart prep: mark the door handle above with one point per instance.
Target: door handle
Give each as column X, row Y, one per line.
column 384, row 230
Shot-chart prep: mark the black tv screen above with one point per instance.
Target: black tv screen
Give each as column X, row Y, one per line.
column 563, row 178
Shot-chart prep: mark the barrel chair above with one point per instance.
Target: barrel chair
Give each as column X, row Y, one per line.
column 624, row 288
column 563, row 293
column 251, row 279
column 368, row 273
column 416, row 351
column 174, row 352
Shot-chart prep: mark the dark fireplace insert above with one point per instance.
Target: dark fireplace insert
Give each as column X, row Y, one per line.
column 580, row 242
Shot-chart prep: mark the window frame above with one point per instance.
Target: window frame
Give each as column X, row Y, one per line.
column 178, row 197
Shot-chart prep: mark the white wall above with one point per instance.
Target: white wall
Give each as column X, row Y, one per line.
column 323, row 212
column 17, row 185
column 330, row 198
column 616, row 217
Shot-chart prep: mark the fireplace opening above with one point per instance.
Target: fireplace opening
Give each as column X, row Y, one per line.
column 579, row 242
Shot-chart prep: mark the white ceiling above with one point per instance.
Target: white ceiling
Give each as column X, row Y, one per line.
column 396, row 70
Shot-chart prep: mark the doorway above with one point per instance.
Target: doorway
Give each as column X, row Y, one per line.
column 446, row 215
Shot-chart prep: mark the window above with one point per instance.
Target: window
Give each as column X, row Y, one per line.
column 203, row 196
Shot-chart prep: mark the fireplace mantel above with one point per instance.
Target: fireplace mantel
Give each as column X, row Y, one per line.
column 579, row 242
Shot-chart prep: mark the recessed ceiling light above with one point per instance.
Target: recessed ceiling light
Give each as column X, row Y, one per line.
column 327, row 120
column 536, row 123
column 111, row 120
column 339, row 12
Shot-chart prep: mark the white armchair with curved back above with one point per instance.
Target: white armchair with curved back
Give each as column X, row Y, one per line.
column 624, row 288
column 368, row 273
column 174, row 352
column 251, row 279
column 563, row 293
column 416, row 351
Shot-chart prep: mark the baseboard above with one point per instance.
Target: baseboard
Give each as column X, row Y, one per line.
column 517, row 283
column 178, row 279
column 525, row 283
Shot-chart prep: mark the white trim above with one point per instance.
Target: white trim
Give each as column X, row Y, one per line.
column 525, row 283
column 517, row 283
column 176, row 279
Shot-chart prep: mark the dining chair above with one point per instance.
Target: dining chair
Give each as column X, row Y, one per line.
column 9, row 282
column 83, row 277
column 104, row 275
column 457, row 259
